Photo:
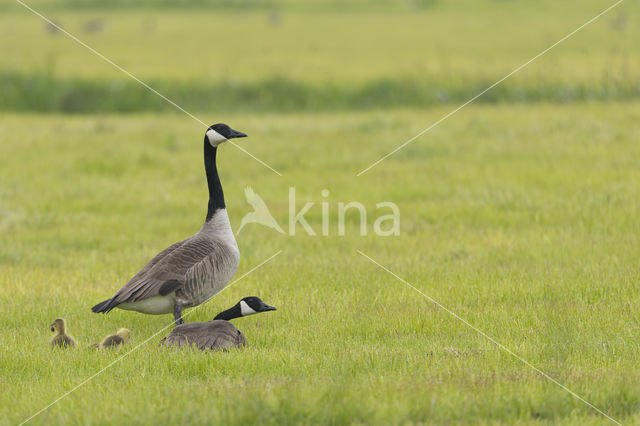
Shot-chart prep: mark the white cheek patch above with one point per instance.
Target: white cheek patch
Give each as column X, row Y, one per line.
column 215, row 138
column 245, row 309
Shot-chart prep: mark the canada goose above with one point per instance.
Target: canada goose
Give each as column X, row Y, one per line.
column 219, row 333
column 189, row 272
column 61, row 339
column 120, row 338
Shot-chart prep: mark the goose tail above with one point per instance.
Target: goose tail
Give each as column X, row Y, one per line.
column 105, row 307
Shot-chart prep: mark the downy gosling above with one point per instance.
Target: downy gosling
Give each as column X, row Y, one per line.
column 61, row 338
column 121, row 338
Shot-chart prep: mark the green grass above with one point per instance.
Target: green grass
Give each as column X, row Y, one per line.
column 45, row 93
column 521, row 220
column 519, row 213
column 445, row 53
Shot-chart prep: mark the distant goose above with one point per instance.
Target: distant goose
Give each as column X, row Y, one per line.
column 219, row 333
column 61, row 339
column 191, row 271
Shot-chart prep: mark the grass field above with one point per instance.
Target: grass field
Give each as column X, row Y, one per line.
column 519, row 216
column 239, row 60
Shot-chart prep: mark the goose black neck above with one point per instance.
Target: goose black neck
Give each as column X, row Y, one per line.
column 230, row 313
column 216, row 196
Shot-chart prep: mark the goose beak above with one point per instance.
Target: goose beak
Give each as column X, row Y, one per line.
column 53, row 329
column 237, row 134
column 265, row 308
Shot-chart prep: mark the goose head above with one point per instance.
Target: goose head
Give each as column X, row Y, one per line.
column 58, row 325
column 124, row 333
column 219, row 133
column 247, row 306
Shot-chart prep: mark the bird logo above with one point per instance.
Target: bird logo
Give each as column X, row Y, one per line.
column 260, row 213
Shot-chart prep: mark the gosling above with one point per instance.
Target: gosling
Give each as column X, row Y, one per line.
column 61, row 339
column 121, row 338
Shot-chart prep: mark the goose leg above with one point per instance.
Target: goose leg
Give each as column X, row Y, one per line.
column 177, row 314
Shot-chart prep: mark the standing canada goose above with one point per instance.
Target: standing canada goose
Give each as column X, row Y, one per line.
column 120, row 338
column 191, row 271
column 61, row 339
column 219, row 333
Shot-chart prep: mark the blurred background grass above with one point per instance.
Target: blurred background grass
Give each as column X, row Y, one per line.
column 316, row 56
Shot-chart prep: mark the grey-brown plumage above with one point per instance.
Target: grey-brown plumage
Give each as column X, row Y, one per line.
column 199, row 266
column 61, row 339
column 211, row 335
column 187, row 273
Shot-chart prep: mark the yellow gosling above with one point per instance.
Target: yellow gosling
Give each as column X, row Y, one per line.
column 61, row 338
column 121, row 338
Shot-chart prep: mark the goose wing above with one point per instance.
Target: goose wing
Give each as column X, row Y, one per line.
column 167, row 271
column 212, row 335
column 157, row 258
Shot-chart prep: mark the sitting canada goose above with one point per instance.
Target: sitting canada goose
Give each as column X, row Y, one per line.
column 61, row 339
column 114, row 340
column 191, row 271
column 219, row 333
